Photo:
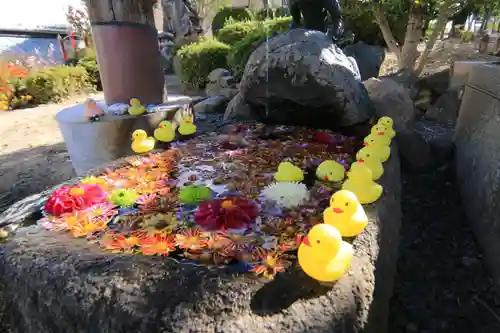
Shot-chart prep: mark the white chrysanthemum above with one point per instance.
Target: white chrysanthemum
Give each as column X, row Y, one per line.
column 286, row 194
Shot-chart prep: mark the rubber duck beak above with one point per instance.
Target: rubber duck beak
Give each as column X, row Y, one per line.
column 325, row 178
column 337, row 210
column 305, row 241
column 361, row 161
column 365, row 144
column 380, row 133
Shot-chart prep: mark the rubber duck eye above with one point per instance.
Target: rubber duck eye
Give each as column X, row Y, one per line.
column 346, row 204
column 367, row 155
column 317, row 242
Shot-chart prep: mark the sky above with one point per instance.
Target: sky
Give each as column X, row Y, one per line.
column 35, row 12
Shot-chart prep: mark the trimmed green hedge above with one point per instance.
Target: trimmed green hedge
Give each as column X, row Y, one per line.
column 233, row 33
column 195, row 61
column 89, row 62
column 242, row 49
column 236, row 14
column 57, row 83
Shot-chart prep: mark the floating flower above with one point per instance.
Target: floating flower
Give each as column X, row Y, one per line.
column 148, row 203
column 165, row 222
column 104, row 211
column 286, row 194
column 124, row 197
column 69, row 199
column 157, row 245
column 87, row 226
column 226, row 213
column 191, row 239
column 119, row 243
column 194, row 194
column 92, row 180
column 268, row 263
column 239, row 242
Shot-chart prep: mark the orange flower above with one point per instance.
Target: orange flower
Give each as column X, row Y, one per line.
column 87, row 226
column 268, row 263
column 119, row 243
column 158, row 245
column 191, row 239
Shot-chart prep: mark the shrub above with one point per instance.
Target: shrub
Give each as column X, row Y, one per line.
column 242, row 50
column 233, row 33
column 89, row 62
column 467, row 36
column 280, row 24
column 282, row 12
column 236, row 14
column 264, row 14
column 57, row 83
column 12, row 88
column 195, row 61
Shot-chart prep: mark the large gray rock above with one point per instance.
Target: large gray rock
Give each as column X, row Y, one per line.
column 54, row 283
column 425, row 146
column 238, row 108
column 445, row 109
column 477, row 160
column 393, row 100
column 300, row 77
column 406, row 78
column 369, row 58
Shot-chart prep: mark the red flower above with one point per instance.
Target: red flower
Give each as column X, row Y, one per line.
column 69, row 199
column 226, row 213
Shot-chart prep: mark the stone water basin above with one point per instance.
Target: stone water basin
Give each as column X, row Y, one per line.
column 95, row 283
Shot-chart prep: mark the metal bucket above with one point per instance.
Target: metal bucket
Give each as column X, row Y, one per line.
column 93, row 144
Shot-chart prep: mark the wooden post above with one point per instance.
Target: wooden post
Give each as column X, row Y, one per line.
column 128, row 54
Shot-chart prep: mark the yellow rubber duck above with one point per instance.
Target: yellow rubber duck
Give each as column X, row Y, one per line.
column 359, row 181
column 388, row 123
column 141, row 143
column 380, row 145
column 165, row 132
column 287, row 172
column 380, row 130
column 135, row 108
column 346, row 214
column 330, row 171
column 323, row 255
column 186, row 127
column 371, row 159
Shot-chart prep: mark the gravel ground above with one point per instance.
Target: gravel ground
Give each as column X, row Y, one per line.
column 441, row 284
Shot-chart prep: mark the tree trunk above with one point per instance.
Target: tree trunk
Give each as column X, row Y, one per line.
column 126, row 42
column 486, row 18
column 413, row 35
column 385, row 28
column 439, row 27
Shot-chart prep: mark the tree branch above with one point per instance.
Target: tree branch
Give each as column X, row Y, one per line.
column 385, row 28
column 444, row 12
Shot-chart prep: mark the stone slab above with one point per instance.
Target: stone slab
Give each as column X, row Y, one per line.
column 59, row 284
column 477, row 157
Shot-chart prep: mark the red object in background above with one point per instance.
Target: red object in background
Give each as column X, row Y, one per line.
column 73, row 41
column 323, row 137
column 63, row 48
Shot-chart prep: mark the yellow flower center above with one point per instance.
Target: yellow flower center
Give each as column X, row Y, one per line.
column 70, row 220
column 89, row 227
column 270, row 261
column 132, row 241
column 161, row 246
column 77, row 191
